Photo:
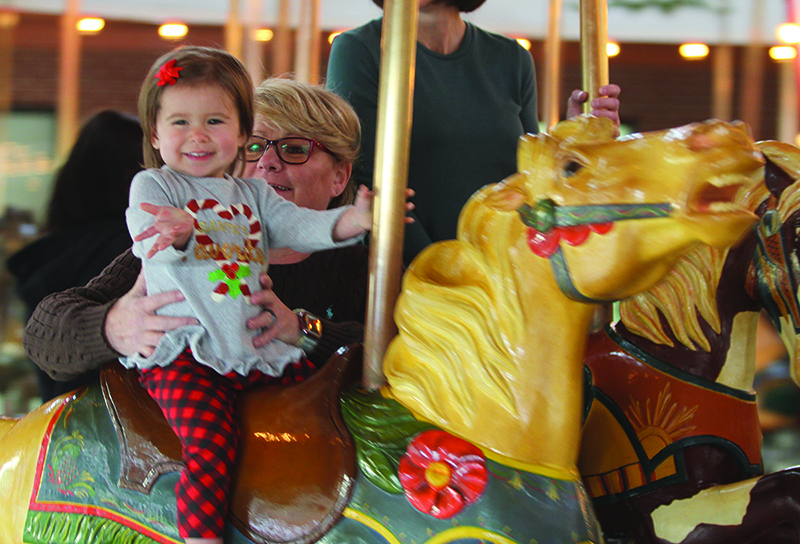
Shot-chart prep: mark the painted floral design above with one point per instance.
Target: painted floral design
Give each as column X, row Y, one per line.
column 441, row 474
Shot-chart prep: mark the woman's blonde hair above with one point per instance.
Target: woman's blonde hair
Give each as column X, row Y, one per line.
column 311, row 111
column 197, row 66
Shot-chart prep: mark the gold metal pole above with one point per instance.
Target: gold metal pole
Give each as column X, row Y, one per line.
column 68, row 78
column 252, row 49
column 307, row 42
column 282, row 43
column 722, row 78
column 233, row 30
column 552, row 74
column 395, row 102
column 594, row 38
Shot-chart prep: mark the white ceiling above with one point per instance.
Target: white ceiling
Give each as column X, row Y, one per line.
column 512, row 17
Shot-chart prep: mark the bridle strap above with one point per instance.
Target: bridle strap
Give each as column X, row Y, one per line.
column 546, row 214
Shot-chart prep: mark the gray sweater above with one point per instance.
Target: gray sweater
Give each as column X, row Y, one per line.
column 236, row 221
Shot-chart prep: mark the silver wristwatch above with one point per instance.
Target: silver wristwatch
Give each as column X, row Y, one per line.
column 310, row 330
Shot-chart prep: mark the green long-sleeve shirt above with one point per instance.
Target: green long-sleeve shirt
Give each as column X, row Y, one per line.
column 470, row 107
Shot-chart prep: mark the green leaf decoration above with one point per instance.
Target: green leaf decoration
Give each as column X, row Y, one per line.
column 48, row 527
column 382, row 429
column 217, row 275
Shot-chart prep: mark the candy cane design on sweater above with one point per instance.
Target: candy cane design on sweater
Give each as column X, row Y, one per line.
column 231, row 274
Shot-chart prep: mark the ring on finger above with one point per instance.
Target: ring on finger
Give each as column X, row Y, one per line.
column 274, row 317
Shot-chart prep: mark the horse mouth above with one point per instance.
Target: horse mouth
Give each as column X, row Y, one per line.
column 720, row 194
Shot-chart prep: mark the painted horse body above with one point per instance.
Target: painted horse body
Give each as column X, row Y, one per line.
column 671, row 446
column 476, row 434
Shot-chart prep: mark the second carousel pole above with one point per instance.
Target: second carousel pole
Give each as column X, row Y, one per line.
column 392, row 142
column 594, row 39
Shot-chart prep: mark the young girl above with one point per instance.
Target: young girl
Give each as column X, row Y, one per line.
column 202, row 231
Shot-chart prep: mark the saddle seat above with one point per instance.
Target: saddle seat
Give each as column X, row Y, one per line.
column 296, row 460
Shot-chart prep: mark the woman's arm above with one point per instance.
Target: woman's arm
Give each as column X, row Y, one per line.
column 65, row 335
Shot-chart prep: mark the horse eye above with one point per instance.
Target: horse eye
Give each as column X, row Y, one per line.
column 571, row 168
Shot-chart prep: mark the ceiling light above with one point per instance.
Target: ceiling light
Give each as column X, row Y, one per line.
column 173, row 30
column 90, row 25
column 524, row 43
column 782, row 52
column 789, row 33
column 8, row 18
column 612, row 49
column 693, row 51
column 263, row 34
column 333, row 35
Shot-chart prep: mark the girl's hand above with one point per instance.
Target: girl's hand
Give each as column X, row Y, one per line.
column 364, row 200
column 358, row 219
column 363, row 207
column 173, row 226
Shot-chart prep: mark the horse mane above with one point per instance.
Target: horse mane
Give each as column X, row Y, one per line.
column 689, row 289
column 470, row 307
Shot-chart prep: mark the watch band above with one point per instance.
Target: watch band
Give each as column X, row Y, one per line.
column 310, row 330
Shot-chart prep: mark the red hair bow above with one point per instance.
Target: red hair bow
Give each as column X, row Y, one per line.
column 168, row 73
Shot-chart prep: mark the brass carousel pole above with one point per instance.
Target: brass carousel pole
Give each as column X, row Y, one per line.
column 395, row 101
column 552, row 74
column 307, row 43
column 233, row 30
column 282, row 43
column 594, row 38
column 68, row 77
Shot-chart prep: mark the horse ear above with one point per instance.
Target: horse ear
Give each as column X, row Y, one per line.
column 782, row 166
column 776, row 180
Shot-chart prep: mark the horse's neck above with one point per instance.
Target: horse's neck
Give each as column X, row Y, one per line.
column 731, row 359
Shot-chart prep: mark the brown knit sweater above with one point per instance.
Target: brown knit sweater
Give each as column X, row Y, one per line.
column 65, row 334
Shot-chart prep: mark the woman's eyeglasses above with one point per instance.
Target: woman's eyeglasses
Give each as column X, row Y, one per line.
column 290, row 150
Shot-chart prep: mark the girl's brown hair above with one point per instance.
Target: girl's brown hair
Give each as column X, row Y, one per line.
column 199, row 66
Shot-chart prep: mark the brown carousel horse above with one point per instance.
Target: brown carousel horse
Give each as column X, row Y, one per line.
column 671, row 445
column 475, row 437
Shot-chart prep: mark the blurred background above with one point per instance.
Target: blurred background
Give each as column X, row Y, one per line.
column 62, row 61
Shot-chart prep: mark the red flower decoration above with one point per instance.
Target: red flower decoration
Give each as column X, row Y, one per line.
column 168, row 73
column 544, row 244
column 441, row 474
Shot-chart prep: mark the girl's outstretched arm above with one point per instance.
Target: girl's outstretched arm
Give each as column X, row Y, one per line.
column 358, row 219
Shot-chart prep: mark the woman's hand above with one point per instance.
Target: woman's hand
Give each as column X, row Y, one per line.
column 132, row 325
column 173, row 226
column 605, row 105
column 277, row 321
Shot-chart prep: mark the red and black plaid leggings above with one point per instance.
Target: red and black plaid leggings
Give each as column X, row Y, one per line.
column 199, row 406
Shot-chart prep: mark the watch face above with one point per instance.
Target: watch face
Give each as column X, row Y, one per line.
column 311, row 325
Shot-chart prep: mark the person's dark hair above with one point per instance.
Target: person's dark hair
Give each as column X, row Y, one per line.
column 464, row 6
column 94, row 182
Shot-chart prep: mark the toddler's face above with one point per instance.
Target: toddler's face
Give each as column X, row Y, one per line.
column 197, row 130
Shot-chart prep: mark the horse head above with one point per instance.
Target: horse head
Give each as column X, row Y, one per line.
column 492, row 325
column 775, row 266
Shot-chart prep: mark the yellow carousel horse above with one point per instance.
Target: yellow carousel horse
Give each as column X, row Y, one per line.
column 475, row 437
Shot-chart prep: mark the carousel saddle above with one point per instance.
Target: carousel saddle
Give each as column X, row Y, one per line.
column 296, row 459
